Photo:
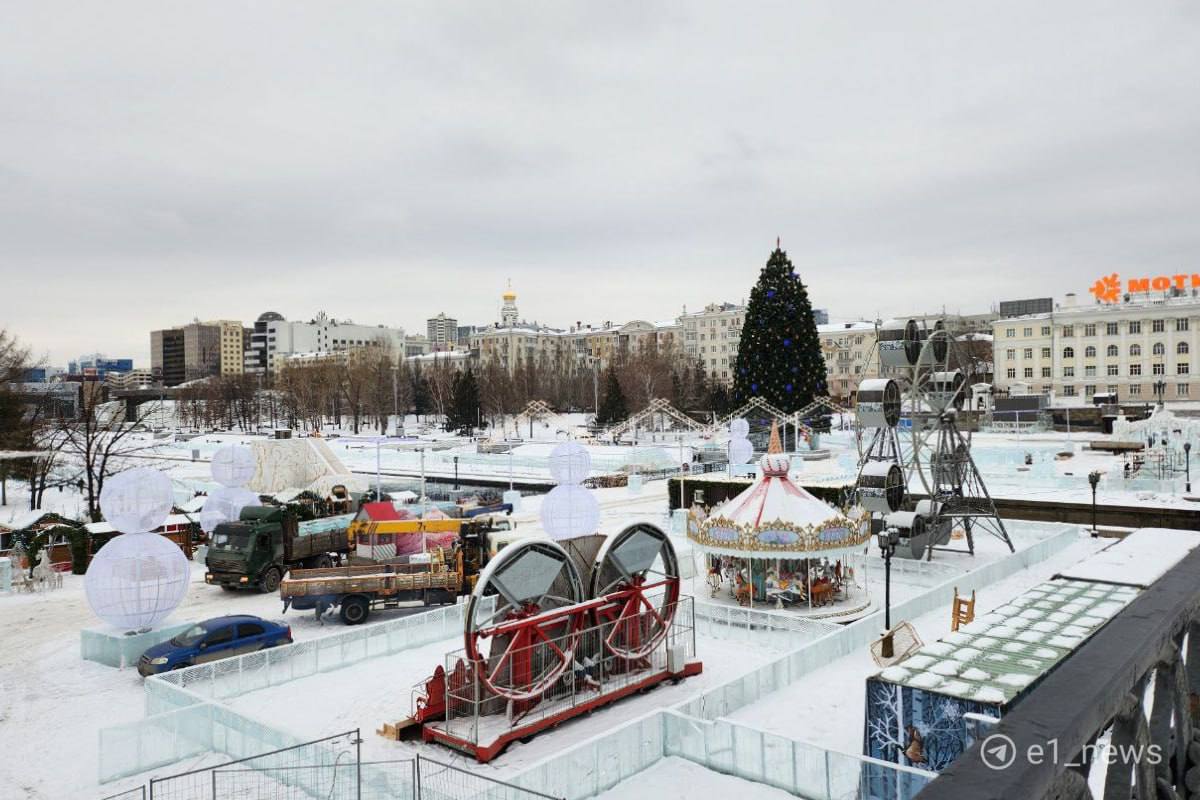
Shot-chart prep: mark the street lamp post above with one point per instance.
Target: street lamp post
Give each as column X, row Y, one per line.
column 888, row 539
column 1094, row 480
column 456, row 472
column 1187, row 465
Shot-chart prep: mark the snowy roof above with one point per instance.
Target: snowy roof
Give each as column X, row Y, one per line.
column 106, row 527
column 1139, row 559
column 27, row 519
column 1001, row 653
column 843, row 327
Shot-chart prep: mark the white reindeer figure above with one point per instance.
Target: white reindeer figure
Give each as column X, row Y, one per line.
column 44, row 574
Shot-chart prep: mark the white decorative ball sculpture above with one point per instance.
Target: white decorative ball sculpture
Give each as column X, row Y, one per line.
column 233, row 465
column 570, row 462
column 225, row 504
column 739, row 428
column 138, row 578
column 137, row 500
column 740, row 451
column 569, row 511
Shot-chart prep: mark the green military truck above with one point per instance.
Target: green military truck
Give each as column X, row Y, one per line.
column 258, row 550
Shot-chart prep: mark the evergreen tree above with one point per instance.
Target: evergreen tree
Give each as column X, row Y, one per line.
column 420, row 392
column 779, row 356
column 612, row 407
column 463, row 413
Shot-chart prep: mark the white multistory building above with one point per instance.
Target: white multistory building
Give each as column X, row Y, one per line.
column 1141, row 349
column 275, row 339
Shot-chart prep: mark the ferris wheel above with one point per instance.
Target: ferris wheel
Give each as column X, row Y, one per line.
column 910, row 441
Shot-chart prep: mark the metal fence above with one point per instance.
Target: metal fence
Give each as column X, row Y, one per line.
column 302, row 770
column 435, row 780
column 329, row 769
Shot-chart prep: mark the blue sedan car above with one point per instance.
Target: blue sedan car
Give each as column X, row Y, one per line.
column 220, row 637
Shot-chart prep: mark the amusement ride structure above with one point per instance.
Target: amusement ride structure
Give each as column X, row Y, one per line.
column 553, row 630
column 911, row 437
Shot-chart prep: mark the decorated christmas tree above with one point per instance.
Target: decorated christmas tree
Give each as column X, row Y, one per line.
column 779, row 356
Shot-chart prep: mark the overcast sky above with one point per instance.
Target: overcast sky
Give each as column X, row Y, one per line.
column 387, row 161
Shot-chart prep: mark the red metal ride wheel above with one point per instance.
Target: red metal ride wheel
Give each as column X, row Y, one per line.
column 522, row 645
column 637, row 576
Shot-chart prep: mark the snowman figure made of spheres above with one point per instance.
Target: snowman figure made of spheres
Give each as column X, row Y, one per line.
column 232, row 466
column 740, row 448
column 569, row 510
column 138, row 578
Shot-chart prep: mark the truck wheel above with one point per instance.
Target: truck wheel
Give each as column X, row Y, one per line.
column 355, row 610
column 270, row 581
column 322, row 562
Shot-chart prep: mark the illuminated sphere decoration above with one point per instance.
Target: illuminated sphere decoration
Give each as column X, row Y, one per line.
column 740, row 451
column 138, row 578
column 225, row 504
column 569, row 511
column 570, row 462
column 137, row 500
column 233, row 465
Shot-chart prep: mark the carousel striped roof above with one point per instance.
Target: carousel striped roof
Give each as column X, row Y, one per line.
column 775, row 516
column 774, row 498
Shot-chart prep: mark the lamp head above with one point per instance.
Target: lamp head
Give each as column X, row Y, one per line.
column 1094, row 478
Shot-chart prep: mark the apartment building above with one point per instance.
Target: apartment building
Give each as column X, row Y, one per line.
column 848, row 350
column 442, row 332
column 711, row 336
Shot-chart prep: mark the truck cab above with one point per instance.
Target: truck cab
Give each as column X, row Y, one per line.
column 257, row 551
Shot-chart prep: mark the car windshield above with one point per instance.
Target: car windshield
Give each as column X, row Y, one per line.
column 191, row 636
column 231, row 539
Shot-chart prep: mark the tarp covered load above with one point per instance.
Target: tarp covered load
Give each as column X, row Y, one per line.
column 290, row 463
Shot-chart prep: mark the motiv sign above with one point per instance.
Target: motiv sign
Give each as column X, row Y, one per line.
column 1108, row 288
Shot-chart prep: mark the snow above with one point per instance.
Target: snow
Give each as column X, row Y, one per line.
column 1139, row 559
column 371, row 692
column 674, row 778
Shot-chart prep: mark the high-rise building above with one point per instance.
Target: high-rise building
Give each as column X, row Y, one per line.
column 166, row 356
column 232, row 344
column 442, row 332
column 196, row 350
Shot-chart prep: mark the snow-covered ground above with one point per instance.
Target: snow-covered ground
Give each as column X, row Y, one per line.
column 674, row 778
column 372, row 692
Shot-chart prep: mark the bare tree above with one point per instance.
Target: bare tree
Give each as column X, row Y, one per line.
column 101, row 441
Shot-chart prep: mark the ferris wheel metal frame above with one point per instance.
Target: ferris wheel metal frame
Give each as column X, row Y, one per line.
column 924, row 364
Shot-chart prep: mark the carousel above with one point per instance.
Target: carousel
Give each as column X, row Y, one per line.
column 776, row 547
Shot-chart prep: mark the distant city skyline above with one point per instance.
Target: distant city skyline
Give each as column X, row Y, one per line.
column 388, row 162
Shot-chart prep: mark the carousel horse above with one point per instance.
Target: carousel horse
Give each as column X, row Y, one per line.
column 714, row 581
column 742, row 591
